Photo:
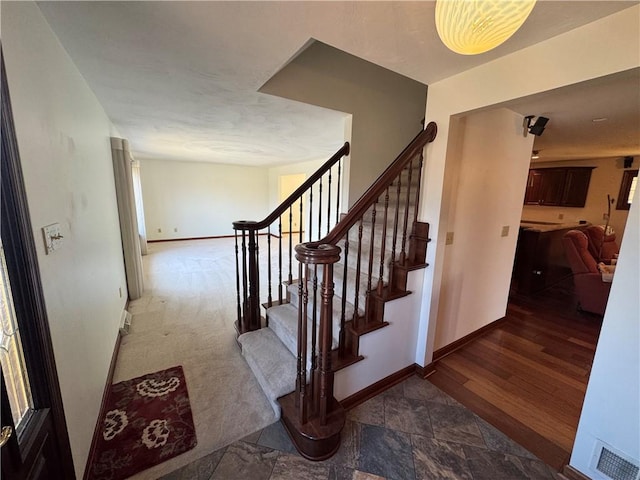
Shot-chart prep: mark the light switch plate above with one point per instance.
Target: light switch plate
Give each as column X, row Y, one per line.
column 449, row 239
column 52, row 237
column 505, row 231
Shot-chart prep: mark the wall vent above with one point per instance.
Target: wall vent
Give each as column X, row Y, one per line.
column 615, row 465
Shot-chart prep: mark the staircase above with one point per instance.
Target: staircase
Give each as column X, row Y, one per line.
column 338, row 294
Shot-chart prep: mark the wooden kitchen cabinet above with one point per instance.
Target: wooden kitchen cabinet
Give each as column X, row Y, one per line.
column 558, row 186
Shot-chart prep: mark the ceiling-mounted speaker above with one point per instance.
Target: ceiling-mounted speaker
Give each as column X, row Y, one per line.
column 537, row 127
column 628, row 161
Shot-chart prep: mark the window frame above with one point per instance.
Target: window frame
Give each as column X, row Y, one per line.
column 625, row 187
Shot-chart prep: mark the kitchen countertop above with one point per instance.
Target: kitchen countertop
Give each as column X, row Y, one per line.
column 549, row 226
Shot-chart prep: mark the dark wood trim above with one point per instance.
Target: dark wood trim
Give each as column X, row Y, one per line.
column 457, row 344
column 573, row 474
column 213, row 237
column 625, row 186
column 26, row 285
column 426, row 371
column 105, row 396
column 380, row 386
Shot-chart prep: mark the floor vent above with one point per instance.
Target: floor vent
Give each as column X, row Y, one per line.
column 616, row 467
column 125, row 323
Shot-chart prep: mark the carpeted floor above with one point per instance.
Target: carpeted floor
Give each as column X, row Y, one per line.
column 186, row 318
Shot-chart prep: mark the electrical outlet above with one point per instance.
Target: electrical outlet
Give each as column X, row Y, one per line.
column 505, row 231
column 449, row 239
column 159, row 230
column 560, row 216
column 175, row 229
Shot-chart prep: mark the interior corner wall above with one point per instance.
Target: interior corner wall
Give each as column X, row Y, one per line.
column 611, row 408
column 605, row 179
column 199, row 199
column 573, row 57
column 478, row 264
column 63, row 138
column 387, row 108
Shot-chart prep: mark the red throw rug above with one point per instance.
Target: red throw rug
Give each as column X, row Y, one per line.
column 148, row 421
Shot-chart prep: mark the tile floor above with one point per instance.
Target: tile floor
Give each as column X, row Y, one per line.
column 411, row 431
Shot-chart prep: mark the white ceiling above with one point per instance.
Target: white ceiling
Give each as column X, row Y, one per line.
column 180, row 80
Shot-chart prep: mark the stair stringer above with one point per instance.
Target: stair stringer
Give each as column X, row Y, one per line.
column 386, row 350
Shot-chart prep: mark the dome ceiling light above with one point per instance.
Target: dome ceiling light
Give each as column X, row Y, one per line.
column 470, row 27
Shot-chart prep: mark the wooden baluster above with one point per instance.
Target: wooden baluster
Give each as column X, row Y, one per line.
column 314, row 326
column 338, row 193
column 320, row 210
column 239, row 308
column 310, row 226
column 245, row 289
column 415, row 211
column 395, row 219
column 280, row 260
column 370, row 269
column 301, row 314
column 300, row 221
column 403, row 252
column 329, row 204
column 302, row 348
column 341, row 338
column 326, row 335
column 290, row 245
column 384, row 243
column 269, row 299
column 356, row 301
column 254, row 282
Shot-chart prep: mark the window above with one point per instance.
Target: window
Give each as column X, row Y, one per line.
column 627, row 189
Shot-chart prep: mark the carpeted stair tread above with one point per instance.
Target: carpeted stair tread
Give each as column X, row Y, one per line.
column 271, row 362
column 283, row 320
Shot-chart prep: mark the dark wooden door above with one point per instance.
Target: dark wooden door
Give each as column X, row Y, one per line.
column 35, row 442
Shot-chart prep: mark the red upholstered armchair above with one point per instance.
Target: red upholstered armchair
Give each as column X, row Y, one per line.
column 597, row 238
column 591, row 291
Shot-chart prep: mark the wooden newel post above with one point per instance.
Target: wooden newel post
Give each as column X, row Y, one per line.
column 311, row 414
column 250, row 277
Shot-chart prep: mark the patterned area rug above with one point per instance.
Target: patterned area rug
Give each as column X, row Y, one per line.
column 148, row 421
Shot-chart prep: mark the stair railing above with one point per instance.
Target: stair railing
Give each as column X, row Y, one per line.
column 311, row 414
column 247, row 242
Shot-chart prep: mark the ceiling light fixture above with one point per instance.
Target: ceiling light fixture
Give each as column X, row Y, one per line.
column 601, row 119
column 535, row 154
column 470, row 27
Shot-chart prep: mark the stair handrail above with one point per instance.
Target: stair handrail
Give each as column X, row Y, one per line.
column 311, row 414
column 297, row 193
column 374, row 191
column 247, row 245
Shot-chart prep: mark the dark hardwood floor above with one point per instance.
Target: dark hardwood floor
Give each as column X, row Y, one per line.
column 528, row 376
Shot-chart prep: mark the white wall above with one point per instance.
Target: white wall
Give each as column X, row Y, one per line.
column 388, row 350
column 605, row 179
column 63, row 138
column 477, row 265
column 200, row 199
column 386, row 107
column 569, row 58
column 611, row 409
